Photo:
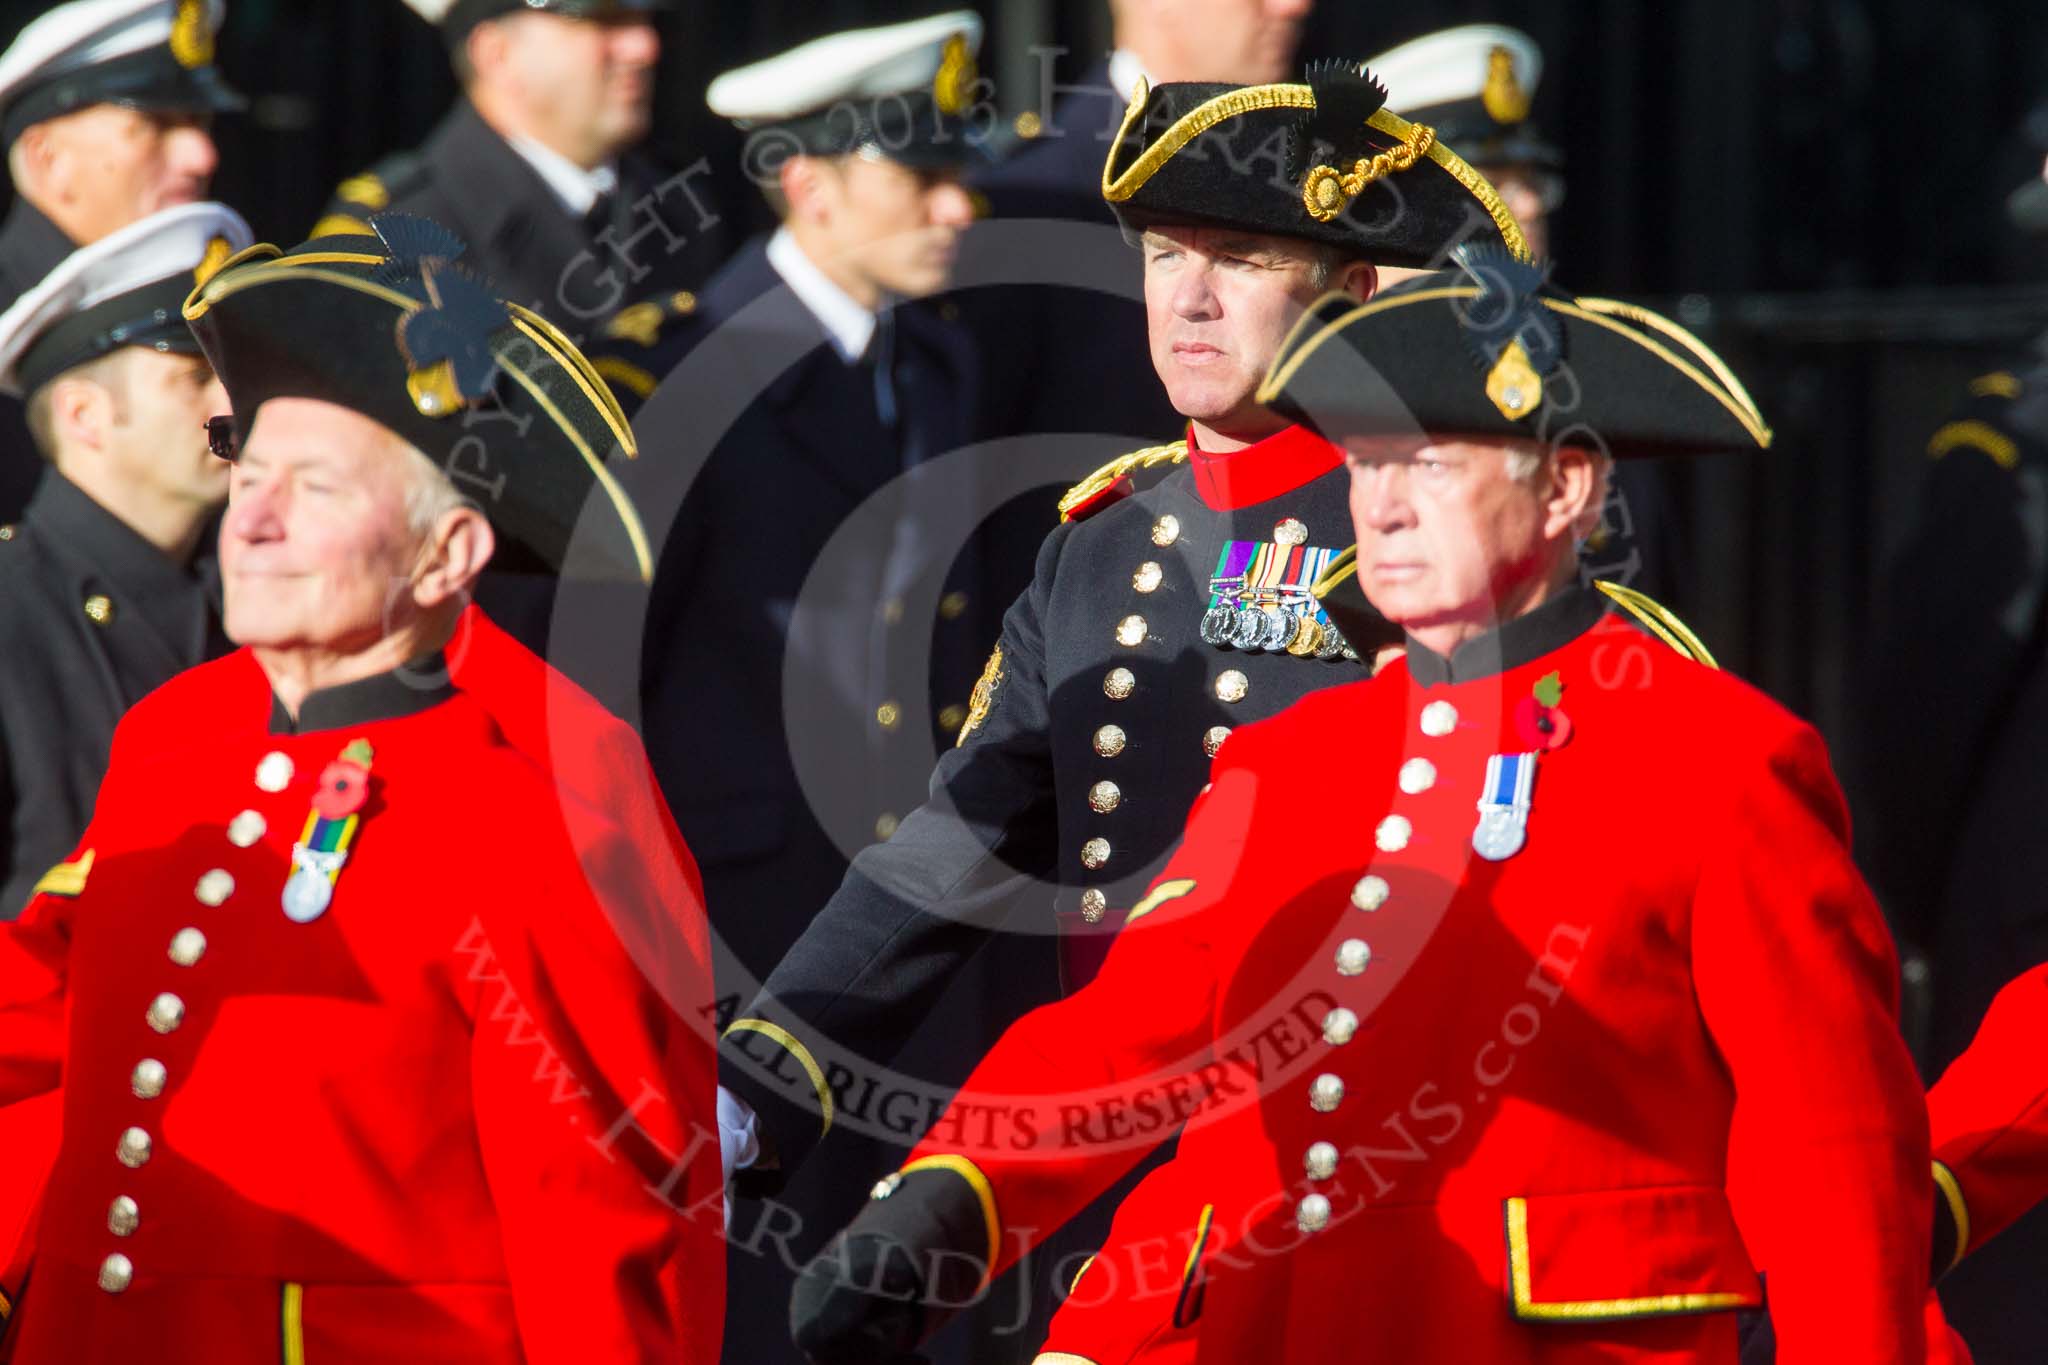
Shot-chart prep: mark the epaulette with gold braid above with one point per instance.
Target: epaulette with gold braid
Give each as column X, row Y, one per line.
column 1659, row 620
column 1111, row 483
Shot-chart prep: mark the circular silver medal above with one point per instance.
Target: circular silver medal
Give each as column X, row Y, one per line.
column 1277, row 630
column 306, row 896
column 1244, row 633
column 1332, row 644
column 1216, row 623
column 1499, row 834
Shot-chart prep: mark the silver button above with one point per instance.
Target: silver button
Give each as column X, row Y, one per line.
column 274, row 773
column 1103, row 797
column 116, row 1272
column 1131, row 631
column 1213, row 738
column 1109, row 741
column 246, row 828
column 886, row 1186
column 1418, row 775
column 147, row 1080
column 1393, row 833
column 215, row 887
column 1352, row 955
column 123, row 1217
column 166, row 1012
column 1231, row 685
column 1166, row 530
column 1439, row 718
column 187, row 947
column 1326, row 1093
column 133, row 1148
column 1148, row 576
column 1312, row 1214
column 1094, row 853
column 1321, row 1161
column 1094, row 905
column 1119, row 683
column 1370, row 893
column 1340, row 1026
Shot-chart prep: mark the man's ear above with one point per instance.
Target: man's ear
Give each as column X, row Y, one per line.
column 81, row 414
column 1577, row 493
column 1359, row 279
column 484, row 46
column 802, row 180
column 456, row 551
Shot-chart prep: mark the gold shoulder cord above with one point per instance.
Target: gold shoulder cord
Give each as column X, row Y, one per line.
column 1659, row 620
column 1172, row 453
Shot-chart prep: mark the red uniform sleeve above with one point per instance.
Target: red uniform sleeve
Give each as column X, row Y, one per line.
column 35, row 953
column 1077, row 1092
column 1989, row 1115
column 1797, row 982
column 594, row 1107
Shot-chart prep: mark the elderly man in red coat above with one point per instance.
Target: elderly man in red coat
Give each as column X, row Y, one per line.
column 356, row 1002
column 1521, row 1003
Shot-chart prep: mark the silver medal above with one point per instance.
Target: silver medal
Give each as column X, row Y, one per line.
column 307, row 895
column 1244, row 633
column 1501, row 832
column 1216, row 624
column 1277, row 630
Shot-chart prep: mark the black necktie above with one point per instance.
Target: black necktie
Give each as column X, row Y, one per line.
column 881, row 355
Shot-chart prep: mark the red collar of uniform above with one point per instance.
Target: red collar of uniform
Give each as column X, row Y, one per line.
column 1265, row 469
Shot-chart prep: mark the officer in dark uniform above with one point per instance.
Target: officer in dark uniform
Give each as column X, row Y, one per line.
column 103, row 110
column 1169, row 605
column 552, row 197
column 106, row 589
column 1075, row 350
column 1953, row 693
column 822, row 605
column 1476, row 85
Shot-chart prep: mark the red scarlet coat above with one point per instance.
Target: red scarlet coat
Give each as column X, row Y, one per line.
column 449, row 1119
column 1989, row 1116
column 1589, row 1086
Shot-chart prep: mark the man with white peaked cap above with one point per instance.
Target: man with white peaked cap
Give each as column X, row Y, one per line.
column 855, row 384
column 104, row 111
column 107, row 587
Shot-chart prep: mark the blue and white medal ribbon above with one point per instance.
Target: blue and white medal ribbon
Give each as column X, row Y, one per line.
column 1504, row 806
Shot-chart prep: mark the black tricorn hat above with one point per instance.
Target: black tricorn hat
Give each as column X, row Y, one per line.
column 392, row 326
column 1323, row 160
column 1492, row 349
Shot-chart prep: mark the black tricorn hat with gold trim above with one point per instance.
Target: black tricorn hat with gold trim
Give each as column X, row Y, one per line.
column 1323, row 159
column 394, row 327
column 1492, row 349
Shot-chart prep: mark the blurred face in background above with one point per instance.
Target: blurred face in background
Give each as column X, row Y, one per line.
column 582, row 87
column 98, row 169
column 876, row 226
column 1250, row 42
column 1532, row 194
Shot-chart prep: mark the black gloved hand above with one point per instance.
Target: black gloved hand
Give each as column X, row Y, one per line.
column 859, row 1302
column 916, row 1255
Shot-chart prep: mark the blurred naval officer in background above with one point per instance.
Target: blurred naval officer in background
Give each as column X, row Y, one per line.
column 107, row 584
column 104, row 110
column 538, row 167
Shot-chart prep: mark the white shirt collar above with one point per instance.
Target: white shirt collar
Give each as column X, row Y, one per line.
column 849, row 325
column 577, row 188
column 1125, row 71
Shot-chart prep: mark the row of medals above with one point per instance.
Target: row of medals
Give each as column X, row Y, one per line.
column 1253, row 626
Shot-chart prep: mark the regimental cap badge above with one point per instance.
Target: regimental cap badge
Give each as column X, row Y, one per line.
column 1510, row 335
column 1505, row 100
column 954, row 84
column 447, row 341
column 218, row 252
column 1346, row 97
column 192, row 35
